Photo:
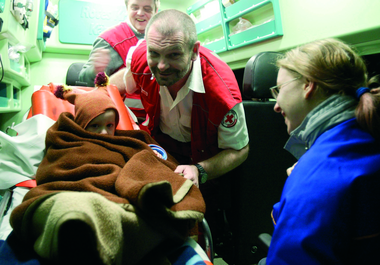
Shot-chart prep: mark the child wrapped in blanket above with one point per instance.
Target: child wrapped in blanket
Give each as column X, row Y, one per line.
column 95, row 111
column 103, row 196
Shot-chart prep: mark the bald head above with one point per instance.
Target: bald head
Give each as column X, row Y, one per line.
column 170, row 22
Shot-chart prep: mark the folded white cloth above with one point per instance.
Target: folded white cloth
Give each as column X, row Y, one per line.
column 21, row 155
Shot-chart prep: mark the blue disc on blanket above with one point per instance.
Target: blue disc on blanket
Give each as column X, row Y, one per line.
column 160, row 150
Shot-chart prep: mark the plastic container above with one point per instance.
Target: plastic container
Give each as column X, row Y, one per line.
column 160, row 150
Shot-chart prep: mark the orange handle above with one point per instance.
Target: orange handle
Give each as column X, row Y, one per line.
column 45, row 102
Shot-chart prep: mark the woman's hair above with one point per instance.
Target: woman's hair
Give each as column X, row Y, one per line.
column 374, row 82
column 336, row 69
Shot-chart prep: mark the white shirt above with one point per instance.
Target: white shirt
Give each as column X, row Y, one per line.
column 175, row 116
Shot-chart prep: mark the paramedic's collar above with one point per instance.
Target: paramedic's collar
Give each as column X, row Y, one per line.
column 326, row 115
column 194, row 83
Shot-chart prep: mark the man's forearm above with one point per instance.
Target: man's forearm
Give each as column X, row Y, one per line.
column 117, row 80
column 224, row 162
column 87, row 74
column 129, row 82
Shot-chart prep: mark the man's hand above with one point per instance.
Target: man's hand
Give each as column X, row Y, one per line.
column 100, row 59
column 190, row 172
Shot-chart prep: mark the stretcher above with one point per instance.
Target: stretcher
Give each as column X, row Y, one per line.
column 17, row 172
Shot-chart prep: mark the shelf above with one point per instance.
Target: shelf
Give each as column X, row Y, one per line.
column 13, row 69
column 208, row 23
column 35, row 53
column 242, row 7
column 217, row 46
column 10, row 96
column 264, row 17
column 256, row 34
column 214, row 39
column 197, row 6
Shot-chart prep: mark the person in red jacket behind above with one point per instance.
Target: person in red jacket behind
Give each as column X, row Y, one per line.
column 111, row 48
column 192, row 100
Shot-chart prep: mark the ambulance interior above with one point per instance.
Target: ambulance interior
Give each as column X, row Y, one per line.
column 41, row 39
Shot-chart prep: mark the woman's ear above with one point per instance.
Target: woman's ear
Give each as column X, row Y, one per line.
column 309, row 89
column 195, row 51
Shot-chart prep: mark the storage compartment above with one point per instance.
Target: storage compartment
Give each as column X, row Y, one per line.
column 16, row 33
column 214, row 39
column 254, row 34
column 35, row 32
column 16, row 98
column 217, row 45
column 209, row 24
column 11, row 28
column 203, row 10
column 16, row 69
column 10, row 97
column 215, row 30
column 2, row 5
column 241, row 7
column 247, row 22
column 3, row 95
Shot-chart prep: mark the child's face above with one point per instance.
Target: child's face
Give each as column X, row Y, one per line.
column 104, row 123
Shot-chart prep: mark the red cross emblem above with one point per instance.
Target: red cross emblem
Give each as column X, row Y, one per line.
column 230, row 119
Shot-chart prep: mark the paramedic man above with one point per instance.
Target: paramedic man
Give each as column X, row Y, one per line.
column 111, row 47
column 192, row 100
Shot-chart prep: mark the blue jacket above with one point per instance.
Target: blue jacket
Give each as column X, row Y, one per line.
column 329, row 212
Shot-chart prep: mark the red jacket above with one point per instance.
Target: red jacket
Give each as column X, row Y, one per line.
column 122, row 38
column 222, row 94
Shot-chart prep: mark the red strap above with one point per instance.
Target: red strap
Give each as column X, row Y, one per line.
column 31, row 183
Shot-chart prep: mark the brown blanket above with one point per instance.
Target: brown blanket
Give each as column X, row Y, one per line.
column 122, row 168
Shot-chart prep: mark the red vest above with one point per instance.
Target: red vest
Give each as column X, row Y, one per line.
column 208, row 110
column 122, row 38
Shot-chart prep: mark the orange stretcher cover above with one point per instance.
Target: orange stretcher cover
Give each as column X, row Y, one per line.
column 45, row 102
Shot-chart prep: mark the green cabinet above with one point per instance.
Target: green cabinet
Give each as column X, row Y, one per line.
column 10, row 96
column 264, row 16
column 35, row 34
column 2, row 6
column 19, row 46
column 209, row 24
column 216, row 30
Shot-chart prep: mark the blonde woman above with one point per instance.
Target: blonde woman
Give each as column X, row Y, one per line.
column 329, row 210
